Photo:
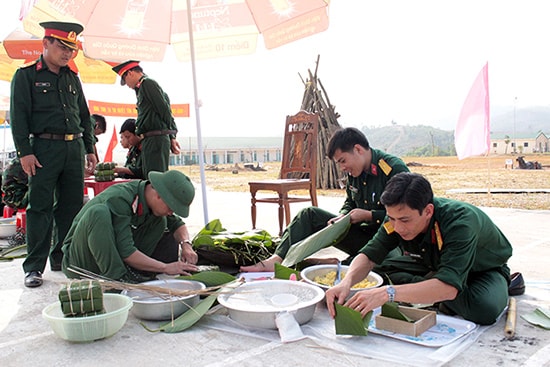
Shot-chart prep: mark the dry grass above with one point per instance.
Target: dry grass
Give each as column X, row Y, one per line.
column 444, row 173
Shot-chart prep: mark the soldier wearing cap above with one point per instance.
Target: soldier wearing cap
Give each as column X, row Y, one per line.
column 54, row 138
column 120, row 233
column 155, row 124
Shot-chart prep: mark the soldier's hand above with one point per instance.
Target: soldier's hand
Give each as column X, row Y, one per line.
column 29, row 163
column 91, row 161
column 174, row 146
column 180, row 268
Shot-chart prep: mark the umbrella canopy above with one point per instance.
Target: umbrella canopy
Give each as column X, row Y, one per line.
column 120, row 30
column 20, row 47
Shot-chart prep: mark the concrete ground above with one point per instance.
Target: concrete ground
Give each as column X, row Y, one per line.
column 27, row 340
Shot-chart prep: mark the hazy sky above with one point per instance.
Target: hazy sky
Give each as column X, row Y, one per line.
column 412, row 62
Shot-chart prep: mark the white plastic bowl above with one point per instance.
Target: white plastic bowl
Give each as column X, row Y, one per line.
column 7, row 227
column 311, row 272
column 85, row 329
column 258, row 303
column 148, row 306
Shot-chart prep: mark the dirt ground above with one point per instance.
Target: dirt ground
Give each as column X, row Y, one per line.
column 444, row 173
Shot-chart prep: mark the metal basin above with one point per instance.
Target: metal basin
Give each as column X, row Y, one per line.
column 258, row 303
column 7, row 227
column 150, row 306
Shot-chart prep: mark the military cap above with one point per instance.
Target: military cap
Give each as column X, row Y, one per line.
column 175, row 189
column 64, row 32
column 120, row 69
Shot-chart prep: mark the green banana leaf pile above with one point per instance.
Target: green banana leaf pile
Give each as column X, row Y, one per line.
column 216, row 245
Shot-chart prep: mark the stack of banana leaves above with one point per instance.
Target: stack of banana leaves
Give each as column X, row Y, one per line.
column 218, row 246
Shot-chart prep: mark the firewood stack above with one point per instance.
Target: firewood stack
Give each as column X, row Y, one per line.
column 316, row 100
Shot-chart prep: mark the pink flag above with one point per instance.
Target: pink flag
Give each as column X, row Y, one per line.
column 472, row 136
column 112, row 145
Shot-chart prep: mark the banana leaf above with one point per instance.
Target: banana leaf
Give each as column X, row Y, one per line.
column 282, row 272
column 221, row 247
column 391, row 310
column 210, row 278
column 193, row 315
column 326, row 237
column 350, row 322
column 189, row 317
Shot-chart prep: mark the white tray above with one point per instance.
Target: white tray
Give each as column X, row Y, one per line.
column 446, row 330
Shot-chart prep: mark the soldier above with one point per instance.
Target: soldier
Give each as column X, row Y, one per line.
column 368, row 171
column 120, row 233
column 54, row 139
column 453, row 254
column 100, row 126
column 130, row 141
column 155, row 124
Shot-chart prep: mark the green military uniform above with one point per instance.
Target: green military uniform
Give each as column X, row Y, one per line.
column 133, row 163
column 50, row 119
column 111, row 227
column 362, row 192
column 462, row 248
column 15, row 185
column 156, row 124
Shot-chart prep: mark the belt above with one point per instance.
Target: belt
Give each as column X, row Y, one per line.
column 158, row 133
column 66, row 137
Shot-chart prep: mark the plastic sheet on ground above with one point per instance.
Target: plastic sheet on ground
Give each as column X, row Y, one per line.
column 321, row 330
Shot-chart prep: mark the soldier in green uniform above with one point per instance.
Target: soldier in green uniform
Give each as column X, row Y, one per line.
column 155, row 124
column 121, row 232
column 130, row 141
column 452, row 253
column 15, row 185
column 100, row 126
column 53, row 135
column 368, row 171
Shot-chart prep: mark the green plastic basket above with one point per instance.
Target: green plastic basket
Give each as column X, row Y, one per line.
column 85, row 329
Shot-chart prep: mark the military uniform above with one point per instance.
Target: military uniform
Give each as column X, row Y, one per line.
column 50, row 119
column 115, row 224
column 15, row 185
column 362, row 192
column 462, row 248
column 133, row 162
column 154, row 123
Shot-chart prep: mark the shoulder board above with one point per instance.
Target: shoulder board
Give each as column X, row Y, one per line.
column 389, row 227
column 386, row 168
column 30, row 63
column 438, row 236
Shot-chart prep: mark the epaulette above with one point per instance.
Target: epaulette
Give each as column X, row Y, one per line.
column 30, row 63
column 386, row 168
column 389, row 227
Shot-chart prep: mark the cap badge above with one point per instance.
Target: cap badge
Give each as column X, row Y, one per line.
column 71, row 36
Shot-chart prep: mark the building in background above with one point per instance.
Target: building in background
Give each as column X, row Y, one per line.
column 220, row 150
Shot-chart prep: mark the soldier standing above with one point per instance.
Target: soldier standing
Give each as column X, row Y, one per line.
column 54, row 138
column 155, row 124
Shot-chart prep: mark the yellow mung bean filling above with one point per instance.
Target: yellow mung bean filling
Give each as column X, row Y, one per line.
column 329, row 278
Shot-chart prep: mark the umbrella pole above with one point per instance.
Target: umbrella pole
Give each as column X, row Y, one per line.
column 197, row 114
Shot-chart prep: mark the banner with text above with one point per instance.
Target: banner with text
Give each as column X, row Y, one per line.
column 129, row 110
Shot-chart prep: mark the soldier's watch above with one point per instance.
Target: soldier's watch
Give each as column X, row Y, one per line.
column 391, row 293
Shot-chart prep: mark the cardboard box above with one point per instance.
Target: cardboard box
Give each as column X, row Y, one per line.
column 423, row 321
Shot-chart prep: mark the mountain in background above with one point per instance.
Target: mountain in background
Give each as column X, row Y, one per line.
column 421, row 140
